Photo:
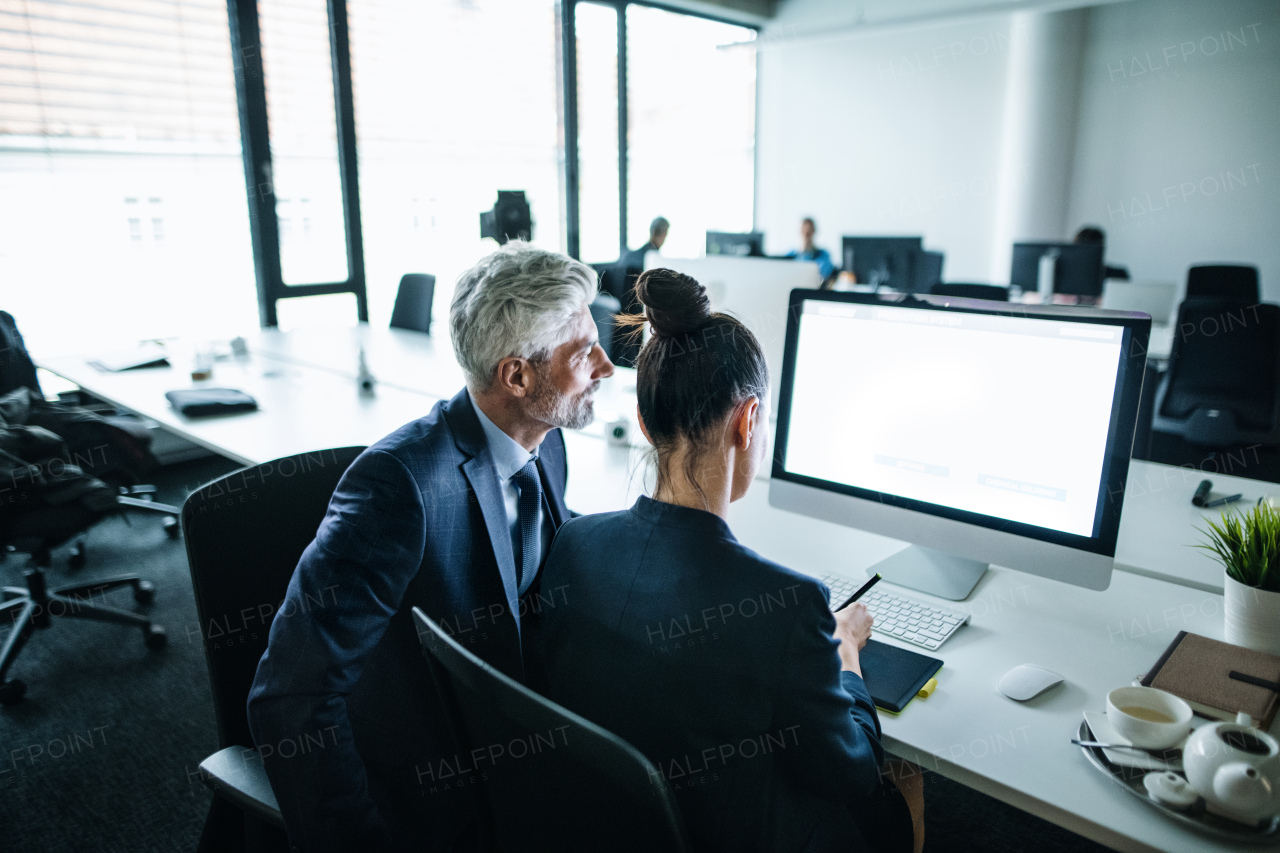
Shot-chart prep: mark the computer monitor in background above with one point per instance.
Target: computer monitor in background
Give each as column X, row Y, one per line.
column 750, row 244
column 755, row 290
column 1077, row 267
column 928, row 271
column 992, row 434
column 883, row 261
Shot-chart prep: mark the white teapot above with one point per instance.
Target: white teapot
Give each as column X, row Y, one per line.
column 1236, row 768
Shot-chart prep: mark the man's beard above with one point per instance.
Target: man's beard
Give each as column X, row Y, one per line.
column 548, row 405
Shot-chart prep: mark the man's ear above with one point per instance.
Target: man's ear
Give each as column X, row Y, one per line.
column 514, row 375
column 744, row 431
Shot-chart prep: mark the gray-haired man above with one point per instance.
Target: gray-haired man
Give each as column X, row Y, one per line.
column 452, row 513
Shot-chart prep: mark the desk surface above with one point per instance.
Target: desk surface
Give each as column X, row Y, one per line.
column 1019, row 753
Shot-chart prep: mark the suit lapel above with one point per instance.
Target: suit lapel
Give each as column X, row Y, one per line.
column 553, row 468
column 468, row 435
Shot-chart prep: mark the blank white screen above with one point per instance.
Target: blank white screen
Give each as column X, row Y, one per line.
column 1003, row 416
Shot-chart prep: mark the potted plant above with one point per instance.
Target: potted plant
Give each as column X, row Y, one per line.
column 1248, row 546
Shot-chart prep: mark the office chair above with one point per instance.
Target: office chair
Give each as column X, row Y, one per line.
column 603, row 793
column 1220, row 389
column 1225, row 281
column 241, row 556
column 603, row 310
column 412, row 310
column 989, row 292
column 62, row 507
column 100, row 440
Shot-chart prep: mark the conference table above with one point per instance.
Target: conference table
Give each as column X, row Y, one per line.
column 1017, row 752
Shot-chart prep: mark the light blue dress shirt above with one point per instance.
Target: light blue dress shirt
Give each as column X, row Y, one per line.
column 820, row 256
column 508, row 458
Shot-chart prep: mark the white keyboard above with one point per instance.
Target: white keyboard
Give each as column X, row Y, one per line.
column 908, row 619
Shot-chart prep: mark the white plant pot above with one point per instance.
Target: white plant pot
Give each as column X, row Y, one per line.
column 1252, row 616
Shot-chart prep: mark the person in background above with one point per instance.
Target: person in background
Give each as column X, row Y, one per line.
column 634, row 260
column 810, row 252
column 727, row 670
column 627, row 346
column 452, row 513
column 1091, row 235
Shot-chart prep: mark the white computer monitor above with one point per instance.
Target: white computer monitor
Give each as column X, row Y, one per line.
column 980, row 432
column 755, row 290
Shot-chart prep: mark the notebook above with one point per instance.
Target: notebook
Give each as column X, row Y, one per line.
column 1198, row 670
column 893, row 675
column 146, row 355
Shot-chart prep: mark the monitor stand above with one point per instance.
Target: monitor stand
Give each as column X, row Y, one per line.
column 935, row 572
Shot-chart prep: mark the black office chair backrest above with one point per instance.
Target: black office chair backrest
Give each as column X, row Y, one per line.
column 1223, row 370
column 17, row 370
column 245, row 533
column 989, row 292
column 599, row 792
column 412, row 310
column 1226, row 281
column 603, row 309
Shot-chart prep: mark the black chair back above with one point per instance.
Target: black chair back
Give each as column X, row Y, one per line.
column 989, row 292
column 603, row 310
column 1225, row 281
column 245, row 532
column 412, row 310
column 1220, row 389
column 17, row 370
column 600, row 792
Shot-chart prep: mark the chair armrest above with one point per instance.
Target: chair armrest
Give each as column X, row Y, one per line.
column 238, row 775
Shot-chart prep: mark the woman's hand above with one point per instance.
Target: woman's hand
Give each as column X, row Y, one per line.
column 853, row 629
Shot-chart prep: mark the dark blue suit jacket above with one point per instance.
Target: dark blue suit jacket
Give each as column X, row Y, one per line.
column 720, row 667
column 343, row 702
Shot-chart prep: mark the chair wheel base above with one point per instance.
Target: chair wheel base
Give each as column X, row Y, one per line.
column 12, row 691
column 156, row 638
column 144, row 592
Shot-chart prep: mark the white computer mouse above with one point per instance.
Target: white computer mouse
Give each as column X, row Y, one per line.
column 1026, row 681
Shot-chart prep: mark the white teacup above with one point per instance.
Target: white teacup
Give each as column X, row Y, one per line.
column 1147, row 717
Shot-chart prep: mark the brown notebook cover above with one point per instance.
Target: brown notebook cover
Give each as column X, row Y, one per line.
column 1197, row 669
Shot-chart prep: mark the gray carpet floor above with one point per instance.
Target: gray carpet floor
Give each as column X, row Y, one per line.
column 102, row 754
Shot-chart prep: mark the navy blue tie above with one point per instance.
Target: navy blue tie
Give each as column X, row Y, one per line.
column 529, row 503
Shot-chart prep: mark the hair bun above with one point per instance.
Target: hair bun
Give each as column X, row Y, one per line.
column 674, row 303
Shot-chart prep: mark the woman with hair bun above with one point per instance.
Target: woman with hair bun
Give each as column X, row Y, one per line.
column 727, row 670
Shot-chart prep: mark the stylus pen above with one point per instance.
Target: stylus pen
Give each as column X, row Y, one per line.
column 1229, row 499
column 866, row 586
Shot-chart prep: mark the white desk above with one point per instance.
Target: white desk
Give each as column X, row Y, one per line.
column 1019, row 753
column 1160, row 528
column 301, row 408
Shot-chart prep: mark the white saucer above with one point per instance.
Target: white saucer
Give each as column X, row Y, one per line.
column 1103, row 732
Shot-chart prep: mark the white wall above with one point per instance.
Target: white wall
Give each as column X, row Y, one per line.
column 1178, row 156
column 906, row 129
column 895, row 132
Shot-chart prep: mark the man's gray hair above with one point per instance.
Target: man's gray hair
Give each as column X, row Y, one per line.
column 659, row 226
column 519, row 301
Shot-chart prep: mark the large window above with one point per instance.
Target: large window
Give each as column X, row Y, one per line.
column 691, row 91
column 687, row 127
column 123, row 211
column 596, row 31
column 454, row 101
